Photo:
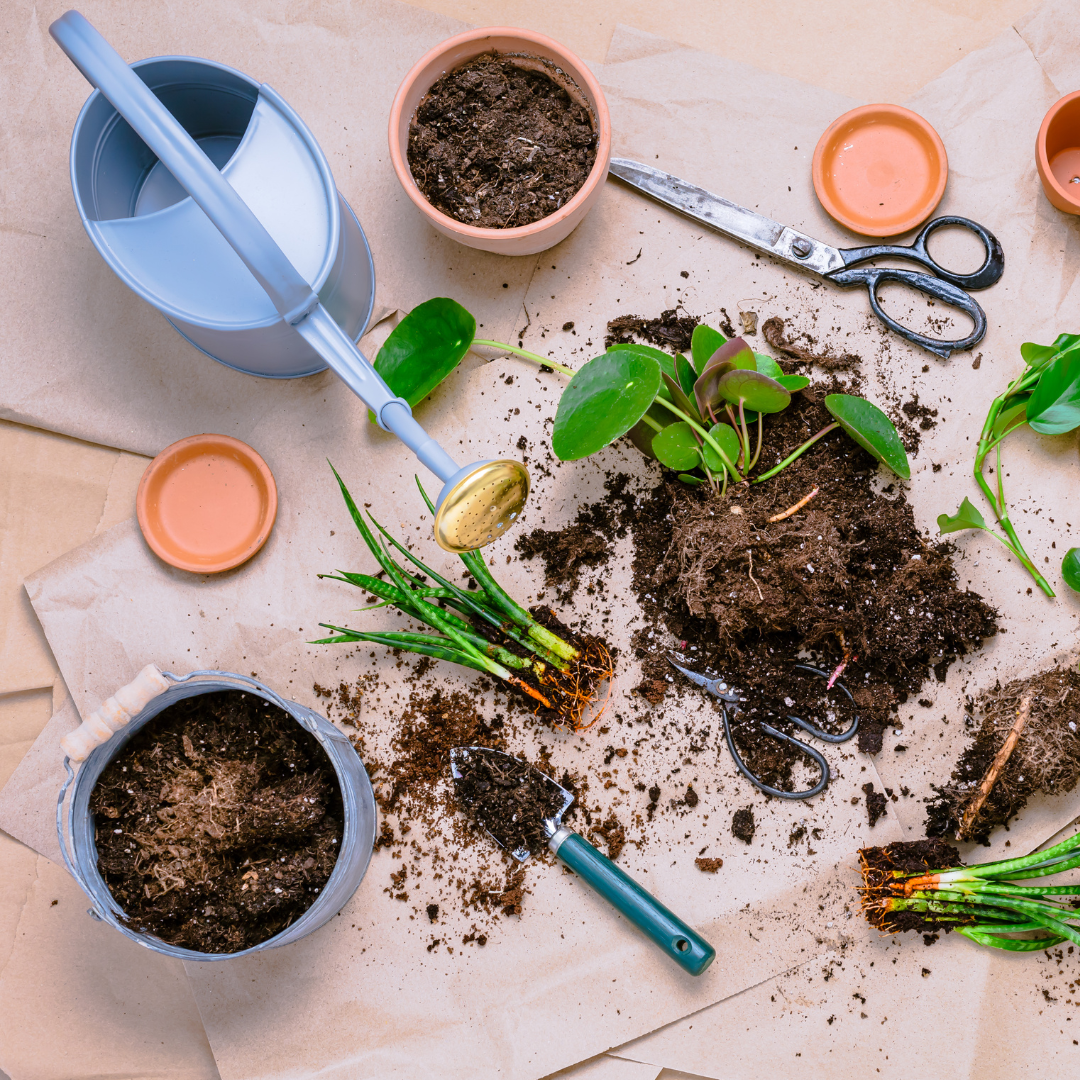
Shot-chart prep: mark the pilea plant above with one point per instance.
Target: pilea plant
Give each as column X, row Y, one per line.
column 1046, row 398
column 694, row 415
column 697, row 414
column 486, row 631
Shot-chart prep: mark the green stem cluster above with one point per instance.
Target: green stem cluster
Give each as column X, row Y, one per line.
column 990, row 440
column 986, row 904
column 460, row 642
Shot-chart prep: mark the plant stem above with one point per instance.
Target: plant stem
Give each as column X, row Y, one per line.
column 525, row 354
column 757, row 449
column 702, row 432
column 650, row 422
column 796, row 454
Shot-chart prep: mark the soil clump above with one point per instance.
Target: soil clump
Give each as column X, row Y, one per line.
column 219, row 823
column 1046, row 756
column 773, row 332
column 508, row 798
column 742, row 824
column 502, row 141
column 671, row 331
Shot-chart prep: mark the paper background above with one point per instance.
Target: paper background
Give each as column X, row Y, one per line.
column 1030, row 216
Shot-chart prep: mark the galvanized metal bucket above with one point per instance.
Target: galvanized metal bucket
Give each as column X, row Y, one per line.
column 162, row 245
column 358, row 831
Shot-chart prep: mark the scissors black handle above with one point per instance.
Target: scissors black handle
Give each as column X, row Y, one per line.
column 991, row 269
column 874, row 276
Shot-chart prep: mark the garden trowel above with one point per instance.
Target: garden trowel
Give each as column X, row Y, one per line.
column 686, row 947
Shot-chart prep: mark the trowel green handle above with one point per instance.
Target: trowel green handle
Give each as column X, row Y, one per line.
column 685, row 946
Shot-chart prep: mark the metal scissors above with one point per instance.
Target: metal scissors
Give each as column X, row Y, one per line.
column 730, row 698
column 838, row 265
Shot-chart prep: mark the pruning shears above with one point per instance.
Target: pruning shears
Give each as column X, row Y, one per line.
column 730, row 699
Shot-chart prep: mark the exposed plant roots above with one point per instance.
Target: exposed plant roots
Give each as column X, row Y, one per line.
column 880, row 890
column 569, row 694
column 773, row 332
column 1046, row 757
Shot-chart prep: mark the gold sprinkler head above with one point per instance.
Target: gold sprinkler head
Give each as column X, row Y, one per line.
column 481, row 506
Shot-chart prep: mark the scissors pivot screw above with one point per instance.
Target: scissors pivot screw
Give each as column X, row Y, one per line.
column 801, row 247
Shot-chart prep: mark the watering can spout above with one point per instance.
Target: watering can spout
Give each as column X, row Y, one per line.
column 477, row 503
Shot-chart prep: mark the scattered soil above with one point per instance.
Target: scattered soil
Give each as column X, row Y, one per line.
column 671, row 332
column 565, row 552
column 773, row 332
column 742, row 824
column 905, row 857
column 218, row 824
column 502, row 141
column 508, row 797
column 1046, row 757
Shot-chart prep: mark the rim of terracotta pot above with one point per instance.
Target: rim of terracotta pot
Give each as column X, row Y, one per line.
column 580, row 74
column 1043, row 161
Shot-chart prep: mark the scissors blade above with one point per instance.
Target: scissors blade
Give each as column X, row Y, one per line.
column 729, row 219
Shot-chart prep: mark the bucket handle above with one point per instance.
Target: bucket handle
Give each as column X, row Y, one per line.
column 116, row 712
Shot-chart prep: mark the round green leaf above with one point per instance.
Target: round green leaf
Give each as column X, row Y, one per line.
column 604, row 400
column 871, row 429
column 703, row 343
column 690, row 479
column 1054, row 407
column 425, row 347
column 676, row 447
column 666, row 362
column 791, row 383
column 1070, row 568
column 767, row 365
column 725, row 436
column 754, row 390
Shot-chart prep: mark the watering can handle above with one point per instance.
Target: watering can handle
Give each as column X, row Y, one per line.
column 295, row 300
column 114, row 713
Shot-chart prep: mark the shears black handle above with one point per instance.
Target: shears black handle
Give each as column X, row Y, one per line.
column 874, row 276
column 992, row 268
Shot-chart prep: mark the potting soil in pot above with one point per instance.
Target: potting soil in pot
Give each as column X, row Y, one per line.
column 219, row 823
column 498, row 143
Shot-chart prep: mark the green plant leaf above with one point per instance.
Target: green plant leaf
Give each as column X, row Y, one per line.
column 1070, row 569
column 676, row 447
column 967, row 517
column 604, row 400
column 690, row 479
column 687, row 376
column 754, row 390
column 725, row 436
column 871, row 429
column 1054, row 407
column 703, row 343
column 424, row 348
column 666, row 362
column 1036, row 355
column 768, row 366
column 1008, row 418
column 678, row 398
column 642, row 434
column 792, row 383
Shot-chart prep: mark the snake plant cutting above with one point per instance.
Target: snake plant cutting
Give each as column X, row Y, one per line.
column 985, row 903
column 486, row 630
column 1045, row 396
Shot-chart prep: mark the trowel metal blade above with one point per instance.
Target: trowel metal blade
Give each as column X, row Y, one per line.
column 461, row 754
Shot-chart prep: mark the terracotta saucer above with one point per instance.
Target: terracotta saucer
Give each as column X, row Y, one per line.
column 880, row 170
column 207, row 503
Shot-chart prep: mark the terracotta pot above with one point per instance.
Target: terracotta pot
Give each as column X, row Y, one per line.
column 1057, row 154
column 451, row 54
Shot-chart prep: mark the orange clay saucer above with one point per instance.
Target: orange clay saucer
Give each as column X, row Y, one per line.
column 880, row 170
column 207, row 503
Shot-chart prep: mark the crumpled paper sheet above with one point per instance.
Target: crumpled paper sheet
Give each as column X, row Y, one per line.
column 114, row 371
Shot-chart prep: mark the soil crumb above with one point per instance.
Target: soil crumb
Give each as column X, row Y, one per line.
column 876, row 804
column 742, row 824
column 219, row 823
column 502, row 141
column 708, row 866
column 773, row 332
column 1046, row 757
column 507, row 797
column 671, row 331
